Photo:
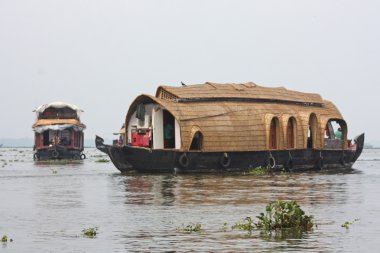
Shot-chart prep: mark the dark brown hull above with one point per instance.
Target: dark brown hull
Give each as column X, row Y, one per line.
column 58, row 153
column 128, row 158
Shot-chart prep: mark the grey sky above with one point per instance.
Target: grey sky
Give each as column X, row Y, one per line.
column 101, row 54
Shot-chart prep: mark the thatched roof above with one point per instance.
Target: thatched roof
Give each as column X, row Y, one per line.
column 228, row 91
column 43, row 122
column 236, row 117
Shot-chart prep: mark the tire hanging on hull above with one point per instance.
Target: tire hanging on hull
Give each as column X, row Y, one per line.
column 271, row 161
column 225, row 161
column 55, row 154
column 184, row 160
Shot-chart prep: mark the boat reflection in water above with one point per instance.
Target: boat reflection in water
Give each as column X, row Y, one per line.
column 239, row 190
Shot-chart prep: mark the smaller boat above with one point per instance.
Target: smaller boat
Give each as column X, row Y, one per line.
column 58, row 132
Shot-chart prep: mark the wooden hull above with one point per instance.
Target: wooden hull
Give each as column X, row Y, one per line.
column 128, row 158
column 58, row 153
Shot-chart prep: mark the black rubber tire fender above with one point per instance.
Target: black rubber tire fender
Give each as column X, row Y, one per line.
column 82, row 156
column 271, row 162
column 54, row 153
column 184, row 160
column 225, row 161
column 289, row 164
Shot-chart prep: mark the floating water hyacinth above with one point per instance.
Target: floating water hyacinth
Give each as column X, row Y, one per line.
column 90, row 232
column 284, row 215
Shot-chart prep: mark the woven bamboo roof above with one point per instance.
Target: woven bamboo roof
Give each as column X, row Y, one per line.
column 43, row 122
column 234, row 119
column 243, row 90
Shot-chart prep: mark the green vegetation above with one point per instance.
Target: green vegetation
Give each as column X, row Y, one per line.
column 246, row 225
column 191, row 228
column 284, row 215
column 225, row 227
column 347, row 224
column 102, row 161
column 259, row 171
column 281, row 220
column 90, row 232
column 4, row 239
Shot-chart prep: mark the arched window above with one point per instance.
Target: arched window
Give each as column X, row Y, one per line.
column 312, row 132
column 335, row 134
column 274, row 134
column 197, row 142
column 291, row 133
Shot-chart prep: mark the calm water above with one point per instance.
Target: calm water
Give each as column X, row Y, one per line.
column 44, row 208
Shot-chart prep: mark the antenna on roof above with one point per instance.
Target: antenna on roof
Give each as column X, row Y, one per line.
column 183, row 84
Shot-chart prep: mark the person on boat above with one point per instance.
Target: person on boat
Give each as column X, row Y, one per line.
column 338, row 134
column 56, row 140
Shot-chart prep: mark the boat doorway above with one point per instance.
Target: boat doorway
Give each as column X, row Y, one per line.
column 311, row 135
column 169, row 129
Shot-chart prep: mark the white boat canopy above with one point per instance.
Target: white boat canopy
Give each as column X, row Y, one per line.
column 57, row 105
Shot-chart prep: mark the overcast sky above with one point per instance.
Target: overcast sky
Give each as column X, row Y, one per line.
column 101, row 54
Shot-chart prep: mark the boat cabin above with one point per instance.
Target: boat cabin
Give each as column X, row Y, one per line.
column 234, row 117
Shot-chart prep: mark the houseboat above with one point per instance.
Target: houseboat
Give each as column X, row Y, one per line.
column 58, row 132
column 232, row 127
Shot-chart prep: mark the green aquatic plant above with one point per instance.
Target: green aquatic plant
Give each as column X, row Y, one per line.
column 347, row 224
column 90, row 232
column 4, row 238
column 259, row 171
column 246, row 225
column 284, row 215
column 225, row 228
column 102, row 161
column 190, row 228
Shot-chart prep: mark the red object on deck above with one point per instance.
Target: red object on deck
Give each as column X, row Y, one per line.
column 140, row 139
